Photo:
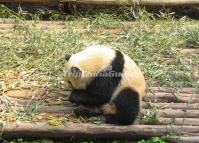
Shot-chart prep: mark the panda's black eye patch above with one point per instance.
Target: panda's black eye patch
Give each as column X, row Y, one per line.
column 67, row 57
column 76, row 72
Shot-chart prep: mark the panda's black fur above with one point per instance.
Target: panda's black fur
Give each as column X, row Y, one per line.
column 99, row 91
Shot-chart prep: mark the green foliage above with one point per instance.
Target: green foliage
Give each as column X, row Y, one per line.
column 104, row 21
column 192, row 38
column 151, row 116
column 87, row 142
column 20, row 140
column 153, row 44
column 54, row 122
column 57, row 122
column 154, row 140
column 96, row 120
column 7, row 13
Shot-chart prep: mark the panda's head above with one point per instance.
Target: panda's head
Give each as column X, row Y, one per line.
column 81, row 68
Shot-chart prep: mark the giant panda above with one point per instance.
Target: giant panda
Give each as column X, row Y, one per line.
column 106, row 78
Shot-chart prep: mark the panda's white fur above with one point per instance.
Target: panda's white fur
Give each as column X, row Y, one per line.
column 89, row 61
column 92, row 60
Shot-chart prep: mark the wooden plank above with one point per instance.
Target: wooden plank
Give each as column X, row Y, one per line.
column 136, row 2
column 20, row 93
column 162, row 96
column 30, row 1
column 145, row 105
column 166, row 94
column 56, row 109
column 184, row 139
column 167, row 113
column 188, row 90
column 171, row 98
column 114, row 2
column 182, row 106
column 178, row 113
column 6, row 26
column 179, row 121
column 27, row 94
column 189, row 51
column 85, row 130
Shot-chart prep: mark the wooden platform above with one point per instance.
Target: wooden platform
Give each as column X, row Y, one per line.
column 177, row 115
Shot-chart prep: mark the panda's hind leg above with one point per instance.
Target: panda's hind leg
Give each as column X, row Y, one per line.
column 128, row 106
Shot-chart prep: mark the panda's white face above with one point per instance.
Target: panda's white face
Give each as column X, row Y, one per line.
column 78, row 71
column 74, row 76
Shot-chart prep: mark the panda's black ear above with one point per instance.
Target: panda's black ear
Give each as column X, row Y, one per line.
column 67, row 57
column 76, row 72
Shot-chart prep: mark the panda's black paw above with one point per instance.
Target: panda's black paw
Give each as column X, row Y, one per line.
column 87, row 111
column 111, row 119
column 73, row 99
column 81, row 111
column 78, row 97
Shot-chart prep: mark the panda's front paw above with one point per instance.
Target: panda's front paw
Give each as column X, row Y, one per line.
column 111, row 119
column 72, row 98
column 87, row 111
column 82, row 111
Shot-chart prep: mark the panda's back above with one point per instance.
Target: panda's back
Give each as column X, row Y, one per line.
column 95, row 51
column 133, row 76
column 98, row 57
